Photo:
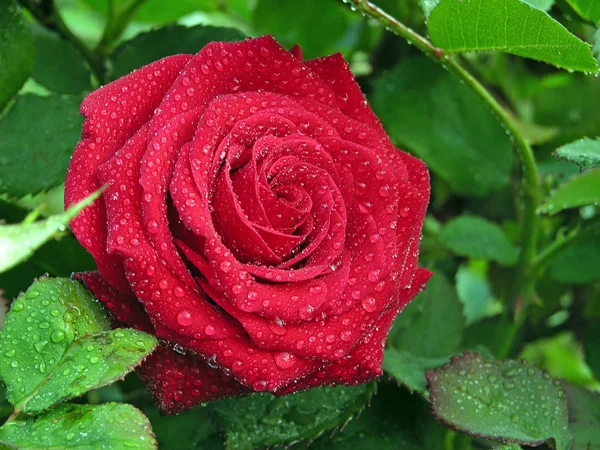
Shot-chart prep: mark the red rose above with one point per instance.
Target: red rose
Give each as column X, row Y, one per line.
column 257, row 219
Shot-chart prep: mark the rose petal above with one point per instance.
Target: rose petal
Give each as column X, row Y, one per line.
column 112, row 115
column 179, row 382
column 166, row 298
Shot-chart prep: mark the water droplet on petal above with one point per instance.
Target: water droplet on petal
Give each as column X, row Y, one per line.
column 369, row 304
column 284, row 360
column 184, row 318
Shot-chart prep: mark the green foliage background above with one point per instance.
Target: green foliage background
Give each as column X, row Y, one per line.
column 501, row 98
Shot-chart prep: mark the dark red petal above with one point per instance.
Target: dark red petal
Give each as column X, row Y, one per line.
column 296, row 51
column 364, row 363
column 167, row 299
column 252, row 65
column 179, row 382
column 112, row 115
column 335, row 71
column 156, row 171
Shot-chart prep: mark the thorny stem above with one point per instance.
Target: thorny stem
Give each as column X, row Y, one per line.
column 530, row 191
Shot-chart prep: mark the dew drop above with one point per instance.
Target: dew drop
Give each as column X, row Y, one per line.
column 184, row 318
column 57, row 336
column 284, row 360
column 260, row 385
column 153, row 226
column 369, row 304
column 225, row 266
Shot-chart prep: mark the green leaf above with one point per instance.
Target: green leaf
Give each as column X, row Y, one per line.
column 475, row 292
column 16, row 51
column 409, row 369
column 584, row 152
column 591, row 343
column 584, row 417
column 91, row 362
column 562, row 356
column 476, row 237
column 568, row 102
column 584, row 405
column 395, row 419
column 37, row 138
column 508, row 400
column 588, row 9
column 292, row 24
column 579, row 191
column 509, row 26
column 58, row 66
column 192, row 427
column 509, row 447
column 158, row 11
column 259, row 420
column 426, row 110
column 544, row 5
column 577, row 263
column 165, row 41
column 431, row 325
column 587, row 437
column 19, row 241
column 81, row 427
column 42, row 326
column 427, row 6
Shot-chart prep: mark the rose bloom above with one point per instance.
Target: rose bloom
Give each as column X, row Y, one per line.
column 256, row 219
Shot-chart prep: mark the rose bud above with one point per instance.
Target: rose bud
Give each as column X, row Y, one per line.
column 256, row 219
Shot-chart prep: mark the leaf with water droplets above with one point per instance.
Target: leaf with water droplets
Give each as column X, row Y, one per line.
column 476, row 237
column 89, row 363
column 81, row 427
column 579, row 191
column 37, row 138
column 259, row 420
column 16, row 51
column 40, row 329
column 509, row 26
column 583, row 152
column 508, row 400
column 426, row 110
column 165, row 41
column 19, row 241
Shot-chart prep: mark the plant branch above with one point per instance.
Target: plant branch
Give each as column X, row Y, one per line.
column 530, row 193
column 560, row 243
column 116, row 24
column 48, row 15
